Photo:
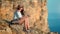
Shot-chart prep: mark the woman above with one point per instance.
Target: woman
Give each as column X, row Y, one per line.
column 19, row 15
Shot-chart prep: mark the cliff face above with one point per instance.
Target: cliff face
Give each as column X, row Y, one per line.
column 36, row 9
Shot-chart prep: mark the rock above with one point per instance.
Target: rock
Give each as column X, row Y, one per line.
column 17, row 28
column 5, row 30
column 36, row 9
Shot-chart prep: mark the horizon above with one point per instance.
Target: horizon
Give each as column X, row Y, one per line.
column 53, row 15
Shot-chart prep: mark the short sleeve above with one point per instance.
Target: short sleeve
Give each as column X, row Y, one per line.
column 19, row 14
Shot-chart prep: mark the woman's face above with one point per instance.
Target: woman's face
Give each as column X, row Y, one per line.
column 21, row 8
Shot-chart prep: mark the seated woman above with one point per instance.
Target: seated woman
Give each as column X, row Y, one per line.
column 19, row 15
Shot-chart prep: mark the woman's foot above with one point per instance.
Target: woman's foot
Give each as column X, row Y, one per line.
column 26, row 30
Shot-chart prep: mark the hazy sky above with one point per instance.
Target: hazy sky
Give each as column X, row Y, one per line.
column 54, row 15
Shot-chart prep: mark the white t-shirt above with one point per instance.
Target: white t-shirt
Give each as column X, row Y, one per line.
column 17, row 15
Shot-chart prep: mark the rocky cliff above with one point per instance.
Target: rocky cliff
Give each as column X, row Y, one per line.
column 36, row 9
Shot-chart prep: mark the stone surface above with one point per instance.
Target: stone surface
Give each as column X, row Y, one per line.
column 36, row 9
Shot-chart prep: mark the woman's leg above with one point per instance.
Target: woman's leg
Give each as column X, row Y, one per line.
column 26, row 23
column 21, row 21
column 24, row 20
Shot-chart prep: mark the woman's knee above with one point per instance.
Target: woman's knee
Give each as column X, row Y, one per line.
column 21, row 21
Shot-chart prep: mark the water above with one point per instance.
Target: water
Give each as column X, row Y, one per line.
column 54, row 15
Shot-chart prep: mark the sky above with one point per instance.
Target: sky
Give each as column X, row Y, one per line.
column 54, row 15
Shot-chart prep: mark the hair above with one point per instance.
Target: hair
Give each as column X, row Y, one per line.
column 21, row 6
